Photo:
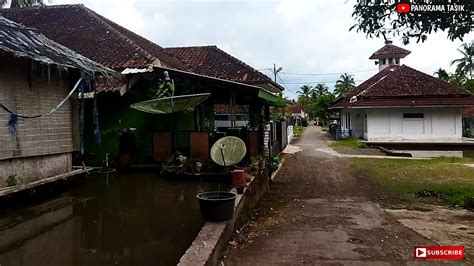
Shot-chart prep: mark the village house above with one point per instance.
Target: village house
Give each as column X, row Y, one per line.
column 39, row 109
column 214, row 62
column 154, row 138
column 298, row 114
column 400, row 103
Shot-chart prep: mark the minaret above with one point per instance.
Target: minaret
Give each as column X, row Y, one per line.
column 389, row 55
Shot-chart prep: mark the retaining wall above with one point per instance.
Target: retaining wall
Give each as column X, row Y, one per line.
column 211, row 241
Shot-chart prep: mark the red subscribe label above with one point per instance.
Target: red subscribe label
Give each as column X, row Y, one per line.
column 439, row 252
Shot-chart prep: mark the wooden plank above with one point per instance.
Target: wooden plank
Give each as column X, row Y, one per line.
column 199, row 145
column 14, row 189
column 162, row 146
column 253, row 145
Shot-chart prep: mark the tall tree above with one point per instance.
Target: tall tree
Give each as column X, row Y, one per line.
column 20, row 3
column 442, row 74
column 320, row 107
column 344, row 83
column 465, row 64
column 320, row 90
column 305, row 94
column 373, row 16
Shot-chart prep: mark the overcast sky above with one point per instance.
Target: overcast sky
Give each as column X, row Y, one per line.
column 302, row 36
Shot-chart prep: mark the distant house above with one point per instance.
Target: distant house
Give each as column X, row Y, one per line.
column 39, row 126
column 298, row 113
column 402, row 104
column 214, row 62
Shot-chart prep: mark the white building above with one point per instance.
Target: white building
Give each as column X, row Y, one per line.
column 402, row 104
column 298, row 113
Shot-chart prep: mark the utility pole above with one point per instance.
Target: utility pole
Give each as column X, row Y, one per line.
column 275, row 72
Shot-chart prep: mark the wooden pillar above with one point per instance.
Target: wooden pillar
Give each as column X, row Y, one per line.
column 233, row 122
column 267, row 113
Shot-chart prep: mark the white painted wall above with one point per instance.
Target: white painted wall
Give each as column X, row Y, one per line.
column 388, row 124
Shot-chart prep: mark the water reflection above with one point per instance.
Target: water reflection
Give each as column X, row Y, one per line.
column 123, row 220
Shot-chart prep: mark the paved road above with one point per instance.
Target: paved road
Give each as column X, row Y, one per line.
column 318, row 213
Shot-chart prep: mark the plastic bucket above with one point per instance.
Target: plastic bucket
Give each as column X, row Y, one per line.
column 217, row 206
column 238, row 178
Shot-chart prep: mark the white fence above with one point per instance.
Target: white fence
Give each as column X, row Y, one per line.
column 289, row 133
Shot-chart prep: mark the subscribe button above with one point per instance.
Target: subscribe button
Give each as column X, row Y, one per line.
column 439, row 252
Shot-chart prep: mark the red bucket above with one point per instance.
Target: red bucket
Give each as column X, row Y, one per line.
column 238, row 178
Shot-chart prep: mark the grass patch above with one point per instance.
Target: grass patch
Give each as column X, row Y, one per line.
column 403, row 178
column 348, row 143
column 297, row 130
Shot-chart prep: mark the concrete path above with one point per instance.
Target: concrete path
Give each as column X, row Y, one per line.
column 316, row 212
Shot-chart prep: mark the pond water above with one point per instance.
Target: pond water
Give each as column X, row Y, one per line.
column 124, row 219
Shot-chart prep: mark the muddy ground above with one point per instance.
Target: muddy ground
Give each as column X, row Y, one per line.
column 317, row 212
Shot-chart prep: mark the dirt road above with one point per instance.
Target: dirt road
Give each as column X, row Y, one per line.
column 316, row 212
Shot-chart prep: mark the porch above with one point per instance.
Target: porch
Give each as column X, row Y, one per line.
column 134, row 139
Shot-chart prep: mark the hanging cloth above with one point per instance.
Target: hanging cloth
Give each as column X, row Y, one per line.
column 14, row 117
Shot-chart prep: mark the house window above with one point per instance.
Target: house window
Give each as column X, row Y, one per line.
column 397, row 61
column 241, row 117
column 365, row 122
column 390, row 61
column 413, row 115
column 383, row 61
column 222, row 117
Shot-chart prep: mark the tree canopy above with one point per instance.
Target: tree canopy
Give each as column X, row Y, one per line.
column 304, row 94
column 20, row 3
column 376, row 18
column 465, row 64
column 343, row 84
column 442, row 74
column 319, row 90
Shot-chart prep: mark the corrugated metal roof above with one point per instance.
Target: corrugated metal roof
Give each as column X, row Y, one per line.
column 94, row 36
column 26, row 42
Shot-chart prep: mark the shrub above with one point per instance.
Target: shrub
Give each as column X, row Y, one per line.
column 467, row 133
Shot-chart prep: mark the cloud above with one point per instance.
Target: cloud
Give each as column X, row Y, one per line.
column 302, row 36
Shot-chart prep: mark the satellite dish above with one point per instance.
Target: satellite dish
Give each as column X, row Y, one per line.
column 168, row 105
column 228, row 151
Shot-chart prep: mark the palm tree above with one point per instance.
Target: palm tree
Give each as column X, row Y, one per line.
column 442, row 74
column 21, row 3
column 465, row 64
column 320, row 90
column 305, row 93
column 344, row 83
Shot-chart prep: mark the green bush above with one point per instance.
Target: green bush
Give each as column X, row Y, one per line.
column 467, row 133
column 304, row 122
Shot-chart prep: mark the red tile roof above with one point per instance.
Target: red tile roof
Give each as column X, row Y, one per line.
column 468, row 111
column 212, row 61
column 403, row 85
column 21, row 41
column 390, row 50
column 296, row 109
column 225, row 109
column 93, row 36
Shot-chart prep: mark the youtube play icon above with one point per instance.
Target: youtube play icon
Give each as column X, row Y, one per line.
column 420, row 253
column 403, row 8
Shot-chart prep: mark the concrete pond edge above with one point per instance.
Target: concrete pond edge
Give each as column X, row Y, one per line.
column 211, row 241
